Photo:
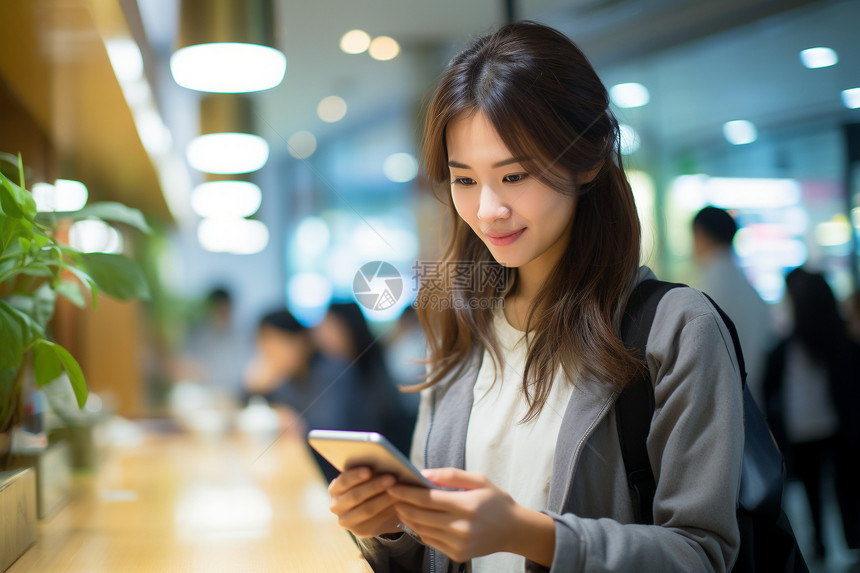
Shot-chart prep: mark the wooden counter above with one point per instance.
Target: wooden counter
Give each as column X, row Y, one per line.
column 178, row 503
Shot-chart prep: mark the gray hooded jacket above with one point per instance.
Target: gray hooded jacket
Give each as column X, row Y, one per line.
column 695, row 447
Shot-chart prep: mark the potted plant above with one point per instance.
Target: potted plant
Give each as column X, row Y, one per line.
column 36, row 268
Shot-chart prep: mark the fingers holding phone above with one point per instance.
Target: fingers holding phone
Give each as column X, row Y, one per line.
column 361, row 503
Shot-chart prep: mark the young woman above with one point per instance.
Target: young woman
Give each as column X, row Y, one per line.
column 517, row 416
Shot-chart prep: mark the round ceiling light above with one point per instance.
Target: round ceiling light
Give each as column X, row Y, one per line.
column 236, row 236
column 400, row 167
column 228, row 67
column 820, row 57
column 331, row 109
column 227, row 153
column 302, row 144
column 384, row 48
column 630, row 94
column 355, row 42
column 740, row 132
column 226, row 199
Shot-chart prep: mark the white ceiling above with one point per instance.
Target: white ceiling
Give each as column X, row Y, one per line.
column 704, row 62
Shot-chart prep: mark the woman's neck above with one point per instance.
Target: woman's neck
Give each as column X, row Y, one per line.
column 519, row 303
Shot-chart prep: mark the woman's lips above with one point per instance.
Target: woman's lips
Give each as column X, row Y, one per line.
column 501, row 240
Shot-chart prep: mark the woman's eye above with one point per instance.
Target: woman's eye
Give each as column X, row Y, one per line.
column 463, row 181
column 515, row 177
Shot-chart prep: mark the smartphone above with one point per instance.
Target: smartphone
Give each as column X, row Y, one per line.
column 346, row 450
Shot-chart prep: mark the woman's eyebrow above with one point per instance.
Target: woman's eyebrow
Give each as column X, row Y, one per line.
column 510, row 160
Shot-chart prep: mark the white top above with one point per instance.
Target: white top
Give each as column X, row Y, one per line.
column 809, row 410
column 515, row 456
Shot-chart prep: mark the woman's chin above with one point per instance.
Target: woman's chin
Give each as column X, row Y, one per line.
column 507, row 262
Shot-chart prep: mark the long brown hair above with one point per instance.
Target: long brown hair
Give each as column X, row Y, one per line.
column 546, row 103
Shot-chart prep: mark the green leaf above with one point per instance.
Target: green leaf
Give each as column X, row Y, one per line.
column 25, row 244
column 12, row 333
column 15, row 200
column 26, row 311
column 46, row 364
column 41, row 240
column 7, row 265
column 72, row 292
column 21, row 171
column 107, row 211
column 32, row 270
column 73, row 369
column 9, row 395
column 116, row 275
column 87, row 281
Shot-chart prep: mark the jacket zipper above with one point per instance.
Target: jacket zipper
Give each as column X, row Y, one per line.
column 430, row 550
column 581, row 443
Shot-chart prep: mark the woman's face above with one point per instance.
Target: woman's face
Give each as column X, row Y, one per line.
column 524, row 223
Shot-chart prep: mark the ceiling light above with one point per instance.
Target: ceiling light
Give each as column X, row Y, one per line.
column 752, row 193
column 355, row 42
column 739, row 132
column 95, row 236
column 222, row 199
column 227, row 153
column 384, row 48
column 226, row 144
column 236, row 236
column 400, row 167
column 43, row 194
column 227, row 47
column 629, row 95
column 331, row 109
column 629, row 139
column 820, row 57
column 302, row 144
column 851, row 98
column 228, row 67
column 63, row 195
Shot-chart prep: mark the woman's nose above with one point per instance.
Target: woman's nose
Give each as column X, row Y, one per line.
column 492, row 206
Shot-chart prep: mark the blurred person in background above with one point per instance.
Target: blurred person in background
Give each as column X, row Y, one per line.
column 720, row 277
column 214, row 352
column 344, row 335
column 812, row 380
column 308, row 388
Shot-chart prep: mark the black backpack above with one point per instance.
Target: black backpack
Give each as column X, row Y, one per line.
column 767, row 540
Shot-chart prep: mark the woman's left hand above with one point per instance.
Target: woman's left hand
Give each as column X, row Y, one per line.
column 476, row 521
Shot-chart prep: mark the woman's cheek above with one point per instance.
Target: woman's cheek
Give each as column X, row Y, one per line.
column 461, row 205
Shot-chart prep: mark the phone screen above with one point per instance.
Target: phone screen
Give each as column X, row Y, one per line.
column 346, row 450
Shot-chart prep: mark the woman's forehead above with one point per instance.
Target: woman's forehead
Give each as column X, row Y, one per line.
column 472, row 137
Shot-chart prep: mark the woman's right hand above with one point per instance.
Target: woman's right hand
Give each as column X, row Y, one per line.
column 361, row 504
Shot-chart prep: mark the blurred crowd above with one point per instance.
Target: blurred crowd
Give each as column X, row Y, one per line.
column 806, row 378
column 291, row 378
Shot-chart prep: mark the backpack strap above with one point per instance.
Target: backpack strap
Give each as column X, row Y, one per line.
column 733, row 331
column 634, row 408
